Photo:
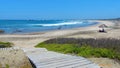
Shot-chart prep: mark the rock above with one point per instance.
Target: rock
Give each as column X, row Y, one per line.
column 2, row 31
column 18, row 31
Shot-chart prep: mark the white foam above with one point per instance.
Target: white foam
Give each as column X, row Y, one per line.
column 57, row 24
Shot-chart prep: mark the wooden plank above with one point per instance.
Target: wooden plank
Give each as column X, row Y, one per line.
column 48, row 59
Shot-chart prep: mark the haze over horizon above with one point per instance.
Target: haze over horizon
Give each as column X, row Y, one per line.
column 59, row 9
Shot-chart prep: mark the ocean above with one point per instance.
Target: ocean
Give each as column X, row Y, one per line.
column 28, row 26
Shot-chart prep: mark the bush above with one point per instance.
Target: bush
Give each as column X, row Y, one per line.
column 84, row 50
column 5, row 44
column 109, row 43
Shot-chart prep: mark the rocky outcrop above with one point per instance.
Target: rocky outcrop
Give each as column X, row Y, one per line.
column 2, row 31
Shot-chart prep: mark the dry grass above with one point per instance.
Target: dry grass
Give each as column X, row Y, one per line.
column 13, row 58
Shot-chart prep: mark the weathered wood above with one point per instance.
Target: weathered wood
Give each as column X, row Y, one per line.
column 48, row 59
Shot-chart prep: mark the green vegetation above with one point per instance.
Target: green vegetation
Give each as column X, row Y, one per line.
column 83, row 47
column 85, row 51
column 7, row 66
column 5, row 44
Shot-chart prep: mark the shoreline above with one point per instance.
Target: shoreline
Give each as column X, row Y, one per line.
column 32, row 39
column 84, row 28
column 39, row 27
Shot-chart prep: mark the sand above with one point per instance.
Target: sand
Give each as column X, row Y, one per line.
column 32, row 39
column 105, row 62
column 13, row 58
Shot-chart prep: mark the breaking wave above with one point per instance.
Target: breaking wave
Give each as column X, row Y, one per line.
column 58, row 24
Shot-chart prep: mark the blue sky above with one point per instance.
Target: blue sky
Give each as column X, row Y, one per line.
column 59, row 9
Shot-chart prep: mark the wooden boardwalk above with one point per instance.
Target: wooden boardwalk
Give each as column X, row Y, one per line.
column 48, row 59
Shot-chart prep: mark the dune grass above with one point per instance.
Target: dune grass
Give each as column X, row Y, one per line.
column 85, row 50
column 5, row 44
column 7, row 66
column 14, row 58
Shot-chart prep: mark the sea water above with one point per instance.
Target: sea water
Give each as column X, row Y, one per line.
column 28, row 26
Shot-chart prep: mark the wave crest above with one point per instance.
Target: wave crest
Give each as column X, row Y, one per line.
column 57, row 24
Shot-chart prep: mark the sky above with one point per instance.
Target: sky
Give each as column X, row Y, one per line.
column 59, row 9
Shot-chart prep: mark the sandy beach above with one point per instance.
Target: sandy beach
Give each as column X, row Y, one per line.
column 32, row 39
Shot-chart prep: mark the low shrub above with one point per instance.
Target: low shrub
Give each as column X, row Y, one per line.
column 5, row 44
column 109, row 43
column 84, row 50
